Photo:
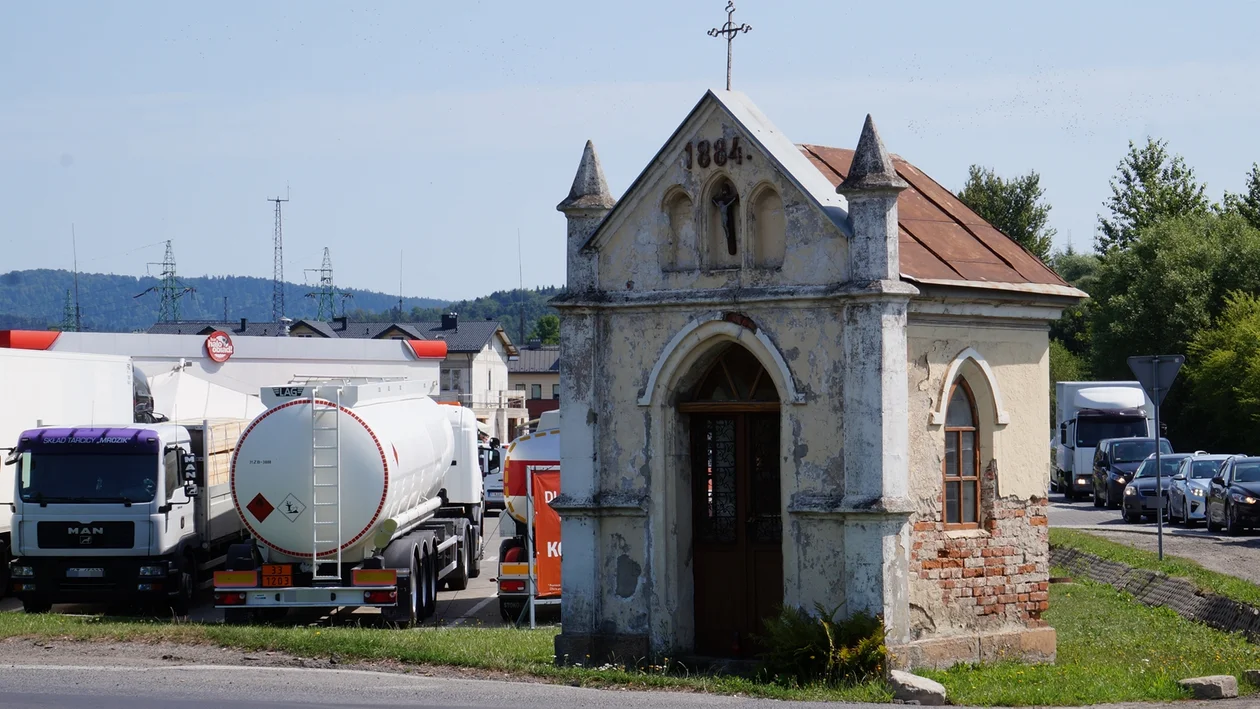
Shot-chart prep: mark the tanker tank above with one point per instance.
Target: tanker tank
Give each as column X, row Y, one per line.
column 540, row 448
column 363, row 462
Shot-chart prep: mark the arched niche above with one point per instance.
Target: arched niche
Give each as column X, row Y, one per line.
column 722, row 224
column 678, row 248
column 768, row 227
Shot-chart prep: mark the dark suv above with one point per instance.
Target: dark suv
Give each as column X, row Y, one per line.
column 1115, row 461
column 1233, row 498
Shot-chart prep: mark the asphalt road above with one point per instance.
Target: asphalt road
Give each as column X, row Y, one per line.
column 475, row 605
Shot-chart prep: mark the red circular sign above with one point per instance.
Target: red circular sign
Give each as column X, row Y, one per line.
column 219, row 346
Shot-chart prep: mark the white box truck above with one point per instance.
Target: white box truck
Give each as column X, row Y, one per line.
column 56, row 388
column 121, row 513
column 1088, row 412
column 355, row 494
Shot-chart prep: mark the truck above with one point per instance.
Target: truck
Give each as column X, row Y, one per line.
column 45, row 388
column 354, row 494
column 532, row 452
column 133, row 513
column 1086, row 413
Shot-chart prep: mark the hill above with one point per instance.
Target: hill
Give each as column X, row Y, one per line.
column 35, row 300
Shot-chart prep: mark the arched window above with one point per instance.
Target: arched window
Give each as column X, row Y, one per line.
column 962, row 459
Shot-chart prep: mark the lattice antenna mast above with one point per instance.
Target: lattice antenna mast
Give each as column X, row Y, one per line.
column 277, row 269
column 327, row 294
column 74, row 247
column 67, row 314
column 169, row 288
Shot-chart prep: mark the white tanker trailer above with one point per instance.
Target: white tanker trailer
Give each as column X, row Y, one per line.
column 540, row 448
column 366, row 494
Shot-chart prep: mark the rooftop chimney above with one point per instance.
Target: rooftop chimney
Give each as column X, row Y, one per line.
column 339, row 323
column 535, row 344
column 450, row 321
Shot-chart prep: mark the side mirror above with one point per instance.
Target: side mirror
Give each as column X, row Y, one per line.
column 1179, row 476
column 1218, row 481
column 1063, row 433
column 494, row 443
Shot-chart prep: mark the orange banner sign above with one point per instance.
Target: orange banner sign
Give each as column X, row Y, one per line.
column 547, row 533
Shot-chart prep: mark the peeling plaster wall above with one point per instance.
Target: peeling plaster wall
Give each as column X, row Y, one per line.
column 994, row 577
column 816, row 251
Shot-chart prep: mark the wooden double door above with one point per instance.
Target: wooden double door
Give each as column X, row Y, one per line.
column 737, row 531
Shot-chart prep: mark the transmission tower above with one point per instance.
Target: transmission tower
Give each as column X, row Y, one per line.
column 277, row 270
column 327, row 294
column 68, row 318
column 169, row 289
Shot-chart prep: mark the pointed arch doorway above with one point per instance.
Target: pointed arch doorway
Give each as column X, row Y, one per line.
column 737, row 530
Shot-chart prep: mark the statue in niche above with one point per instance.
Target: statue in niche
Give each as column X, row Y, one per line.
column 725, row 200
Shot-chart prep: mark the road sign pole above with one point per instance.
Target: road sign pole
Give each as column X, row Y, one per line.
column 1156, row 374
column 1159, row 470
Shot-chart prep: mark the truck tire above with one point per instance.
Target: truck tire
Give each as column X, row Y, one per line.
column 406, row 614
column 458, row 580
column 429, row 562
column 478, row 551
column 182, row 603
column 36, row 606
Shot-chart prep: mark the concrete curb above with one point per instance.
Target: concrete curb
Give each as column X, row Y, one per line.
column 1154, row 588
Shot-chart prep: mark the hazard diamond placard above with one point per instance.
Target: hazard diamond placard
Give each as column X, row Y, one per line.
column 260, row 508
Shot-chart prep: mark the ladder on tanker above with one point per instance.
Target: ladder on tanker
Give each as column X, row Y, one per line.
column 326, row 484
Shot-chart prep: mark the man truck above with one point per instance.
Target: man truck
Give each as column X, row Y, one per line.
column 354, row 494
column 1088, row 412
column 46, row 388
column 536, row 451
column 121, row 514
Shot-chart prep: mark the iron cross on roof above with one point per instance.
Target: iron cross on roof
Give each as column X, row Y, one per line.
column 729, row 30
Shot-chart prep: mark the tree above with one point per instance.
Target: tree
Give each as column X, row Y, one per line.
column 1072, row 329
column 1150, row 186
column 1248, row 203
column 1223, row 371
column 1064, row 367
column 1014, row 207
column 547, row 329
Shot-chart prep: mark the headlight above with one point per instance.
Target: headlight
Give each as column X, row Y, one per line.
column 1197, row 492
column 153, row 570
column 1130, row 491
column 1120, row 480
column 23, row 571
column 1082, row 481
column 1245, row 499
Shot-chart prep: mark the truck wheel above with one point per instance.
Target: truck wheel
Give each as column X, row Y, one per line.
column 406, row 614
column 36, row 606
column 474, row 569
column 429, row 562
column 182, row 603
column 510, row 610
column 458, row 580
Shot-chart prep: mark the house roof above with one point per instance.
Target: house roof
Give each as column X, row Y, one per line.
column 467, row 336
column 536, row 359
column 942, row 242
column 941, row 239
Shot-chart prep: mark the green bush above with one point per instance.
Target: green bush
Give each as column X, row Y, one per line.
column 804, row 649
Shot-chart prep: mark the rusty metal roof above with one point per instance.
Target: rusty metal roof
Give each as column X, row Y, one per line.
column 941, row 239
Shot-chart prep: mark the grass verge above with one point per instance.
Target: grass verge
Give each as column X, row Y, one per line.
column 1221, row 584
column 502, row 650
column 1111, row 649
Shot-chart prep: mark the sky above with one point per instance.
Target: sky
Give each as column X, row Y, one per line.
column 417, row 140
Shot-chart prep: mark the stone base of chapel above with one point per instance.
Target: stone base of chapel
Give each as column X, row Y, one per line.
column 595, row 649
column 1031, row 645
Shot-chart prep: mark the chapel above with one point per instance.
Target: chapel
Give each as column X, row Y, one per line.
column 798, row 375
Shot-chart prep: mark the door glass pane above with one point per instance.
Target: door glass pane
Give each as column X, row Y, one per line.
column 968, row 453
column 765, row 524
column 969, row 501
column 952, row 515
column 951, row 454
column 717, row 491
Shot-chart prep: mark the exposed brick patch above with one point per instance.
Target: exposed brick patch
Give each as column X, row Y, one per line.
column 994, row 578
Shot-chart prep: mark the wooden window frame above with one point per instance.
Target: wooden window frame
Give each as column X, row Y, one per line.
column 961, row 479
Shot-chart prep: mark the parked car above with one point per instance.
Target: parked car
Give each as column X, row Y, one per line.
column 1233, row 499
column 1188, row 493
column 1140, row 499
column 1115, row 461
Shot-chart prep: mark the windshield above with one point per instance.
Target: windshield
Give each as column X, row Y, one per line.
column 1204, row 469
column 1133, row 451
column 89, row 478
column 1089, row 431
column 1167, row 463
column 1247, row 473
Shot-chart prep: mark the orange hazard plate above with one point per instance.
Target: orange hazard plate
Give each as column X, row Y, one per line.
column 277, row 575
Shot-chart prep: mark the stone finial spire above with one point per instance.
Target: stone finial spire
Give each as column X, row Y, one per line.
column 590, row 189
column 872, row 167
